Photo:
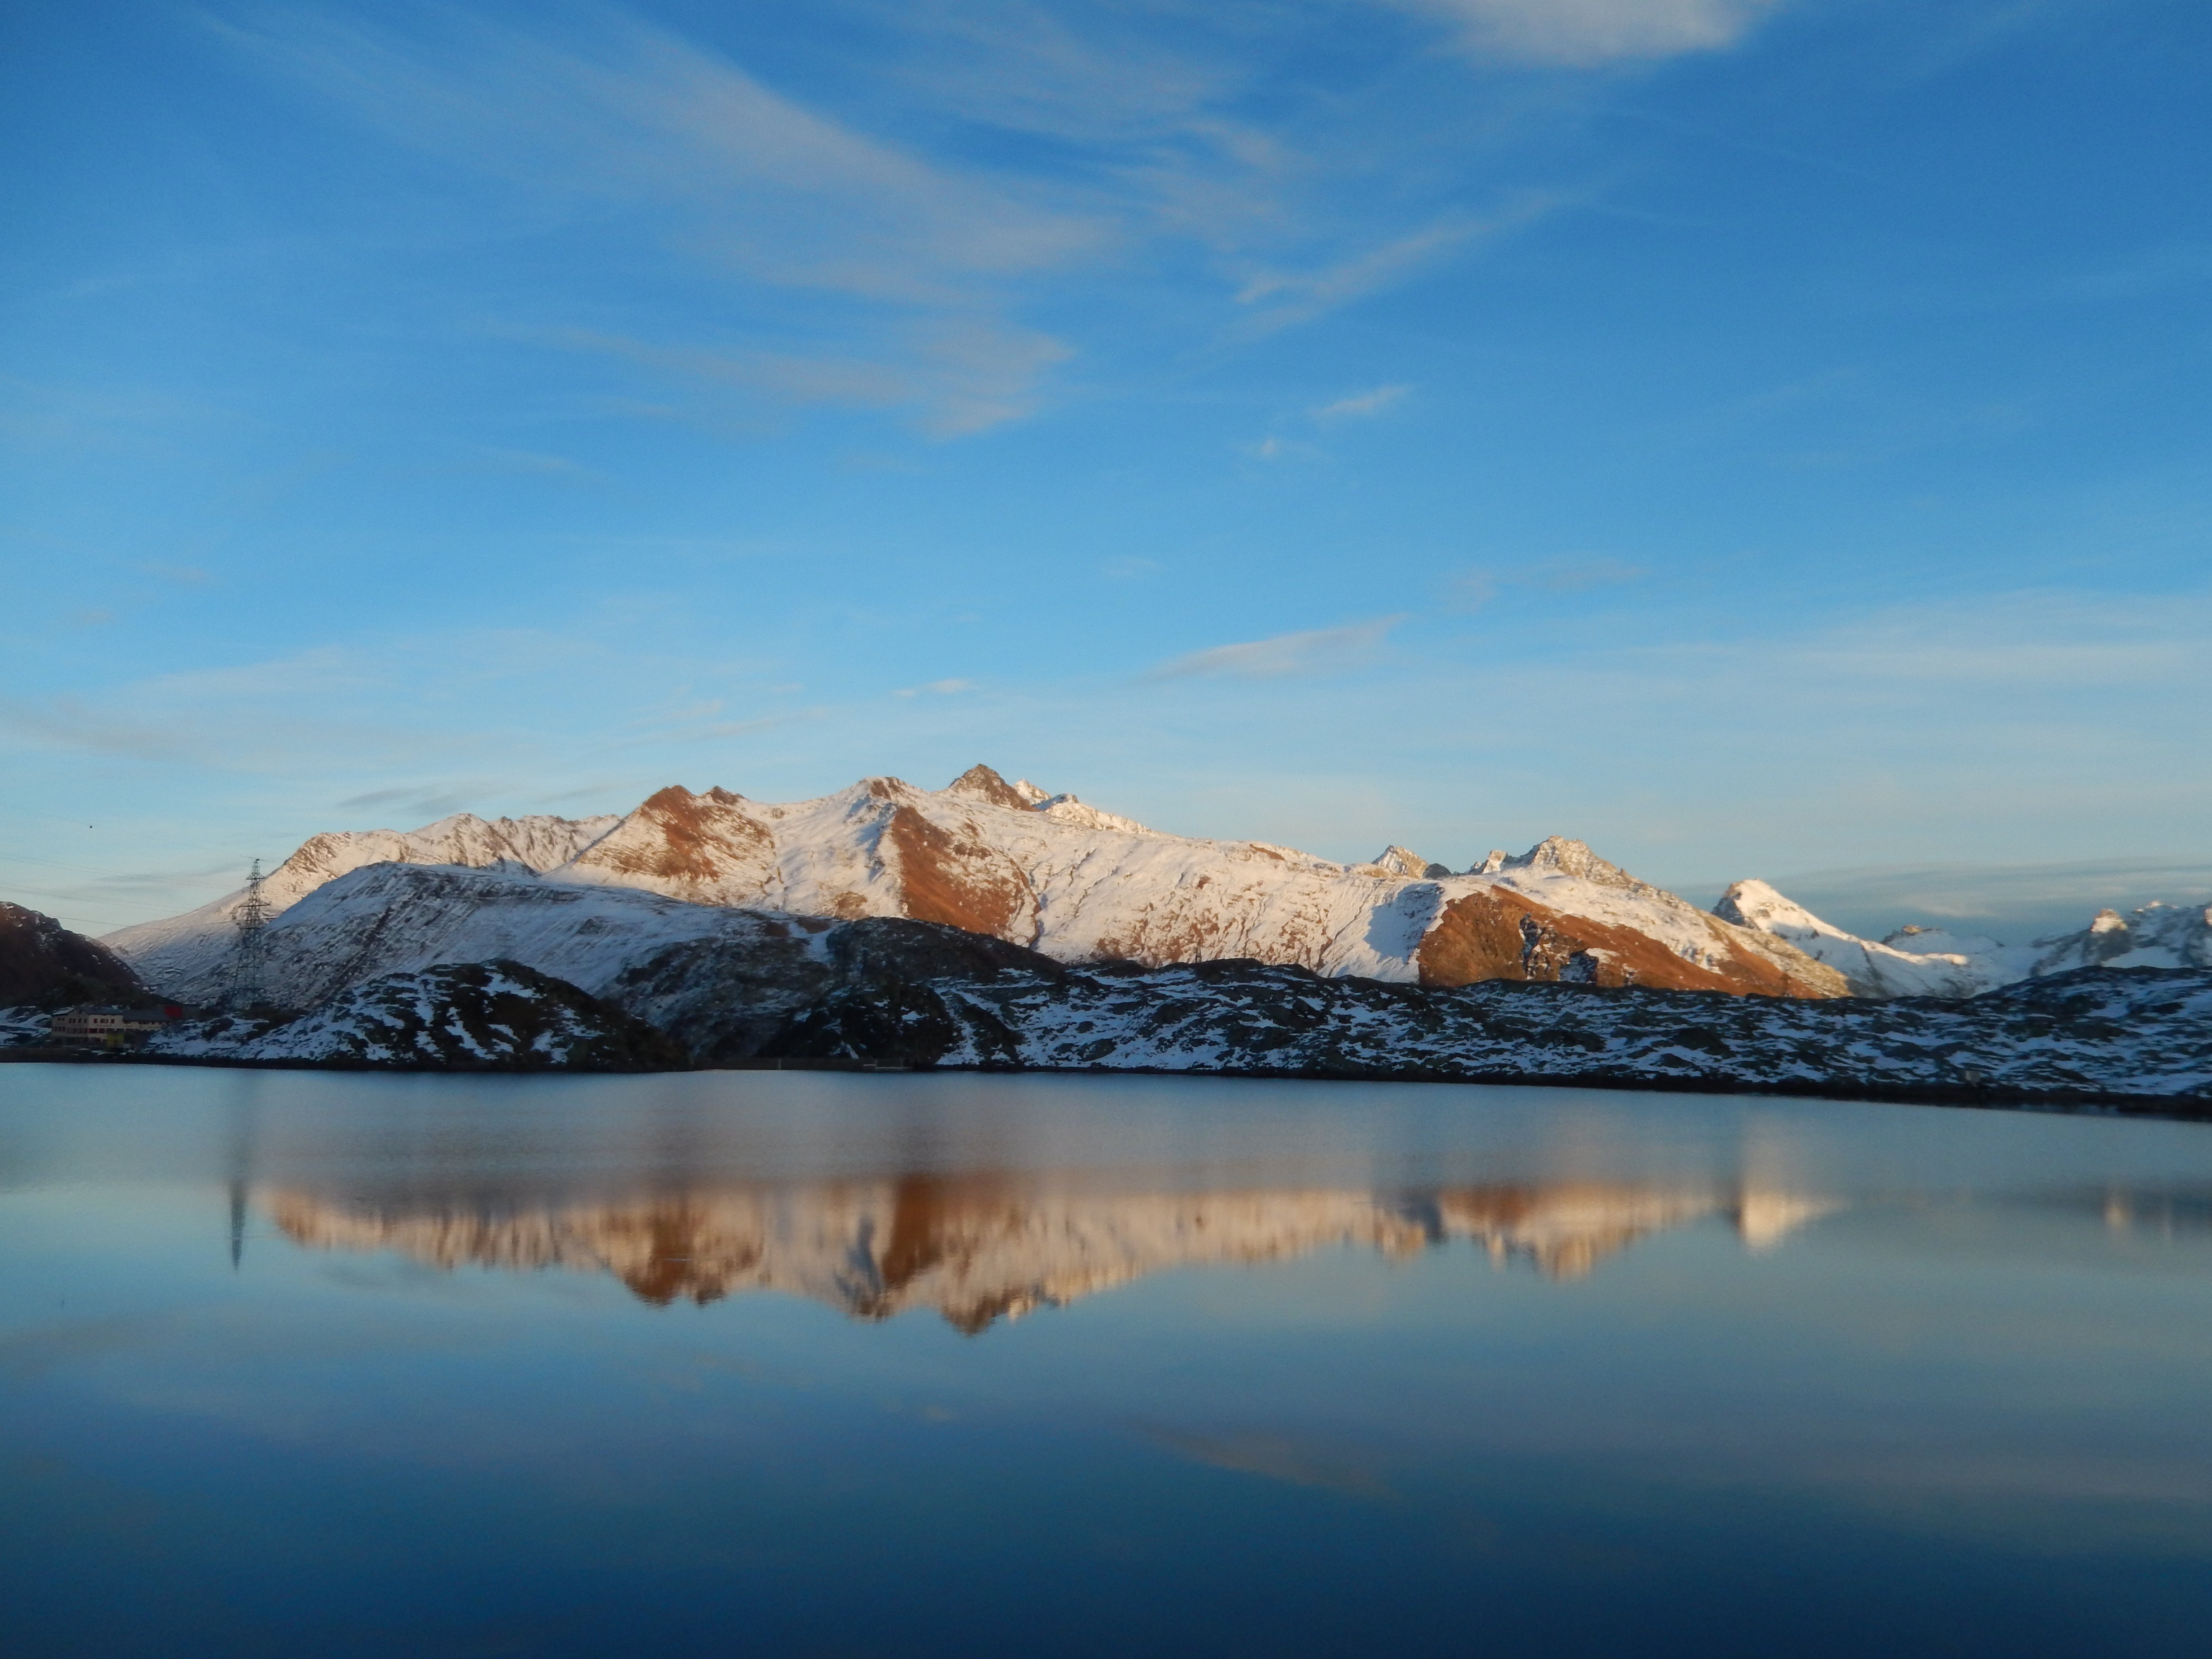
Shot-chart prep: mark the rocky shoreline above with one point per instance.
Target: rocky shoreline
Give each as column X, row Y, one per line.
column 2127, row 1041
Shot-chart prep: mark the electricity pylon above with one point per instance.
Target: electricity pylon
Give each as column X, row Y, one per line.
column 250, row 918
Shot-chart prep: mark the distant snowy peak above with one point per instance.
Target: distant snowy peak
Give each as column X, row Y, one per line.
column 1873, row 969
column 2156, row 936
column 1755, row 904
column 1066, row 809
column 1401, row 861
column 979, row 783
column 1557, row 855
column 1931, row 962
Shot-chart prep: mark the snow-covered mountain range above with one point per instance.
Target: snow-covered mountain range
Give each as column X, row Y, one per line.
column 1005, row 861
column 693, row 902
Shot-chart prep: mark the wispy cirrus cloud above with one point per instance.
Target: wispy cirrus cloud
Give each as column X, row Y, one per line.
column 1314, row 651
column 1276, row 447
column 603, row 114
column 936, row 688
column 889, row 235
column 621, row 110
column 1588, row 32
column 1470, row 590
column 962, row 377
column 1278, row 297
column 421, row 800
column 1360, row 405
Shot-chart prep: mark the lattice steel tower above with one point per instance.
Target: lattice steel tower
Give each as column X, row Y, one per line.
column 250, row 918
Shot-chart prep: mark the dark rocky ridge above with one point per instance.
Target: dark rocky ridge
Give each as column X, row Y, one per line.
column 482, row 1016
column 727, row 997
column 2137, row 1037
column 44, row 965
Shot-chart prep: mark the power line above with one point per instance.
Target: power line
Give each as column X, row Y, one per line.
column 58, row 864
column 43, row 892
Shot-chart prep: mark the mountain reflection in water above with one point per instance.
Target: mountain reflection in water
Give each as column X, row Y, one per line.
column 353, row 1365
column 977, row 1251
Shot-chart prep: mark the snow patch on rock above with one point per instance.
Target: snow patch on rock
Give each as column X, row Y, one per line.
column 469, row 1015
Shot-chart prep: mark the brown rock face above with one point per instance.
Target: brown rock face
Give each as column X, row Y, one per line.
column 42, row 962
column 982, row 783
column 679, row 837
column 1497, row 933
column 956, row 879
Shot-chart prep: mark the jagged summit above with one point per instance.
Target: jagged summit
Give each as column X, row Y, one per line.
column 980, row 782
column 1572, row 858
column 1396, row 860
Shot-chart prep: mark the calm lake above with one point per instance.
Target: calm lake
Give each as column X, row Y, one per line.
column 810, row 1363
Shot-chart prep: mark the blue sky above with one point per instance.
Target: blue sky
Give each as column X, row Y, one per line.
column 1756, row 438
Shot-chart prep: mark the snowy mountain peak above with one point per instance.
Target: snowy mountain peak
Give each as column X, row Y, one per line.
column 1557, row 855
column 1873, row 969
column 1066, row 809
column 1756, row 905
column 691, row 846
column 1396, row 860
column 980, row 782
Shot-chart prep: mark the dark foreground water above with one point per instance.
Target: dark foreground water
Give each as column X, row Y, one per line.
column 726, row 1363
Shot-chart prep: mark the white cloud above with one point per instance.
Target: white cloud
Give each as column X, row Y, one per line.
column 425, row 801
column 1471, row 590
column 1361, row 404
column 1319, row 650
column 621, row 117
column 1279, row 297
column 1590, row 32
column 867, row 266
column 1276, row 447
column 961, row 377
column 936, row 688
column 636, row 115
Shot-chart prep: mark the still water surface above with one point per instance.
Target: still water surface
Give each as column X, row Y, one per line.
column 760, row 1363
